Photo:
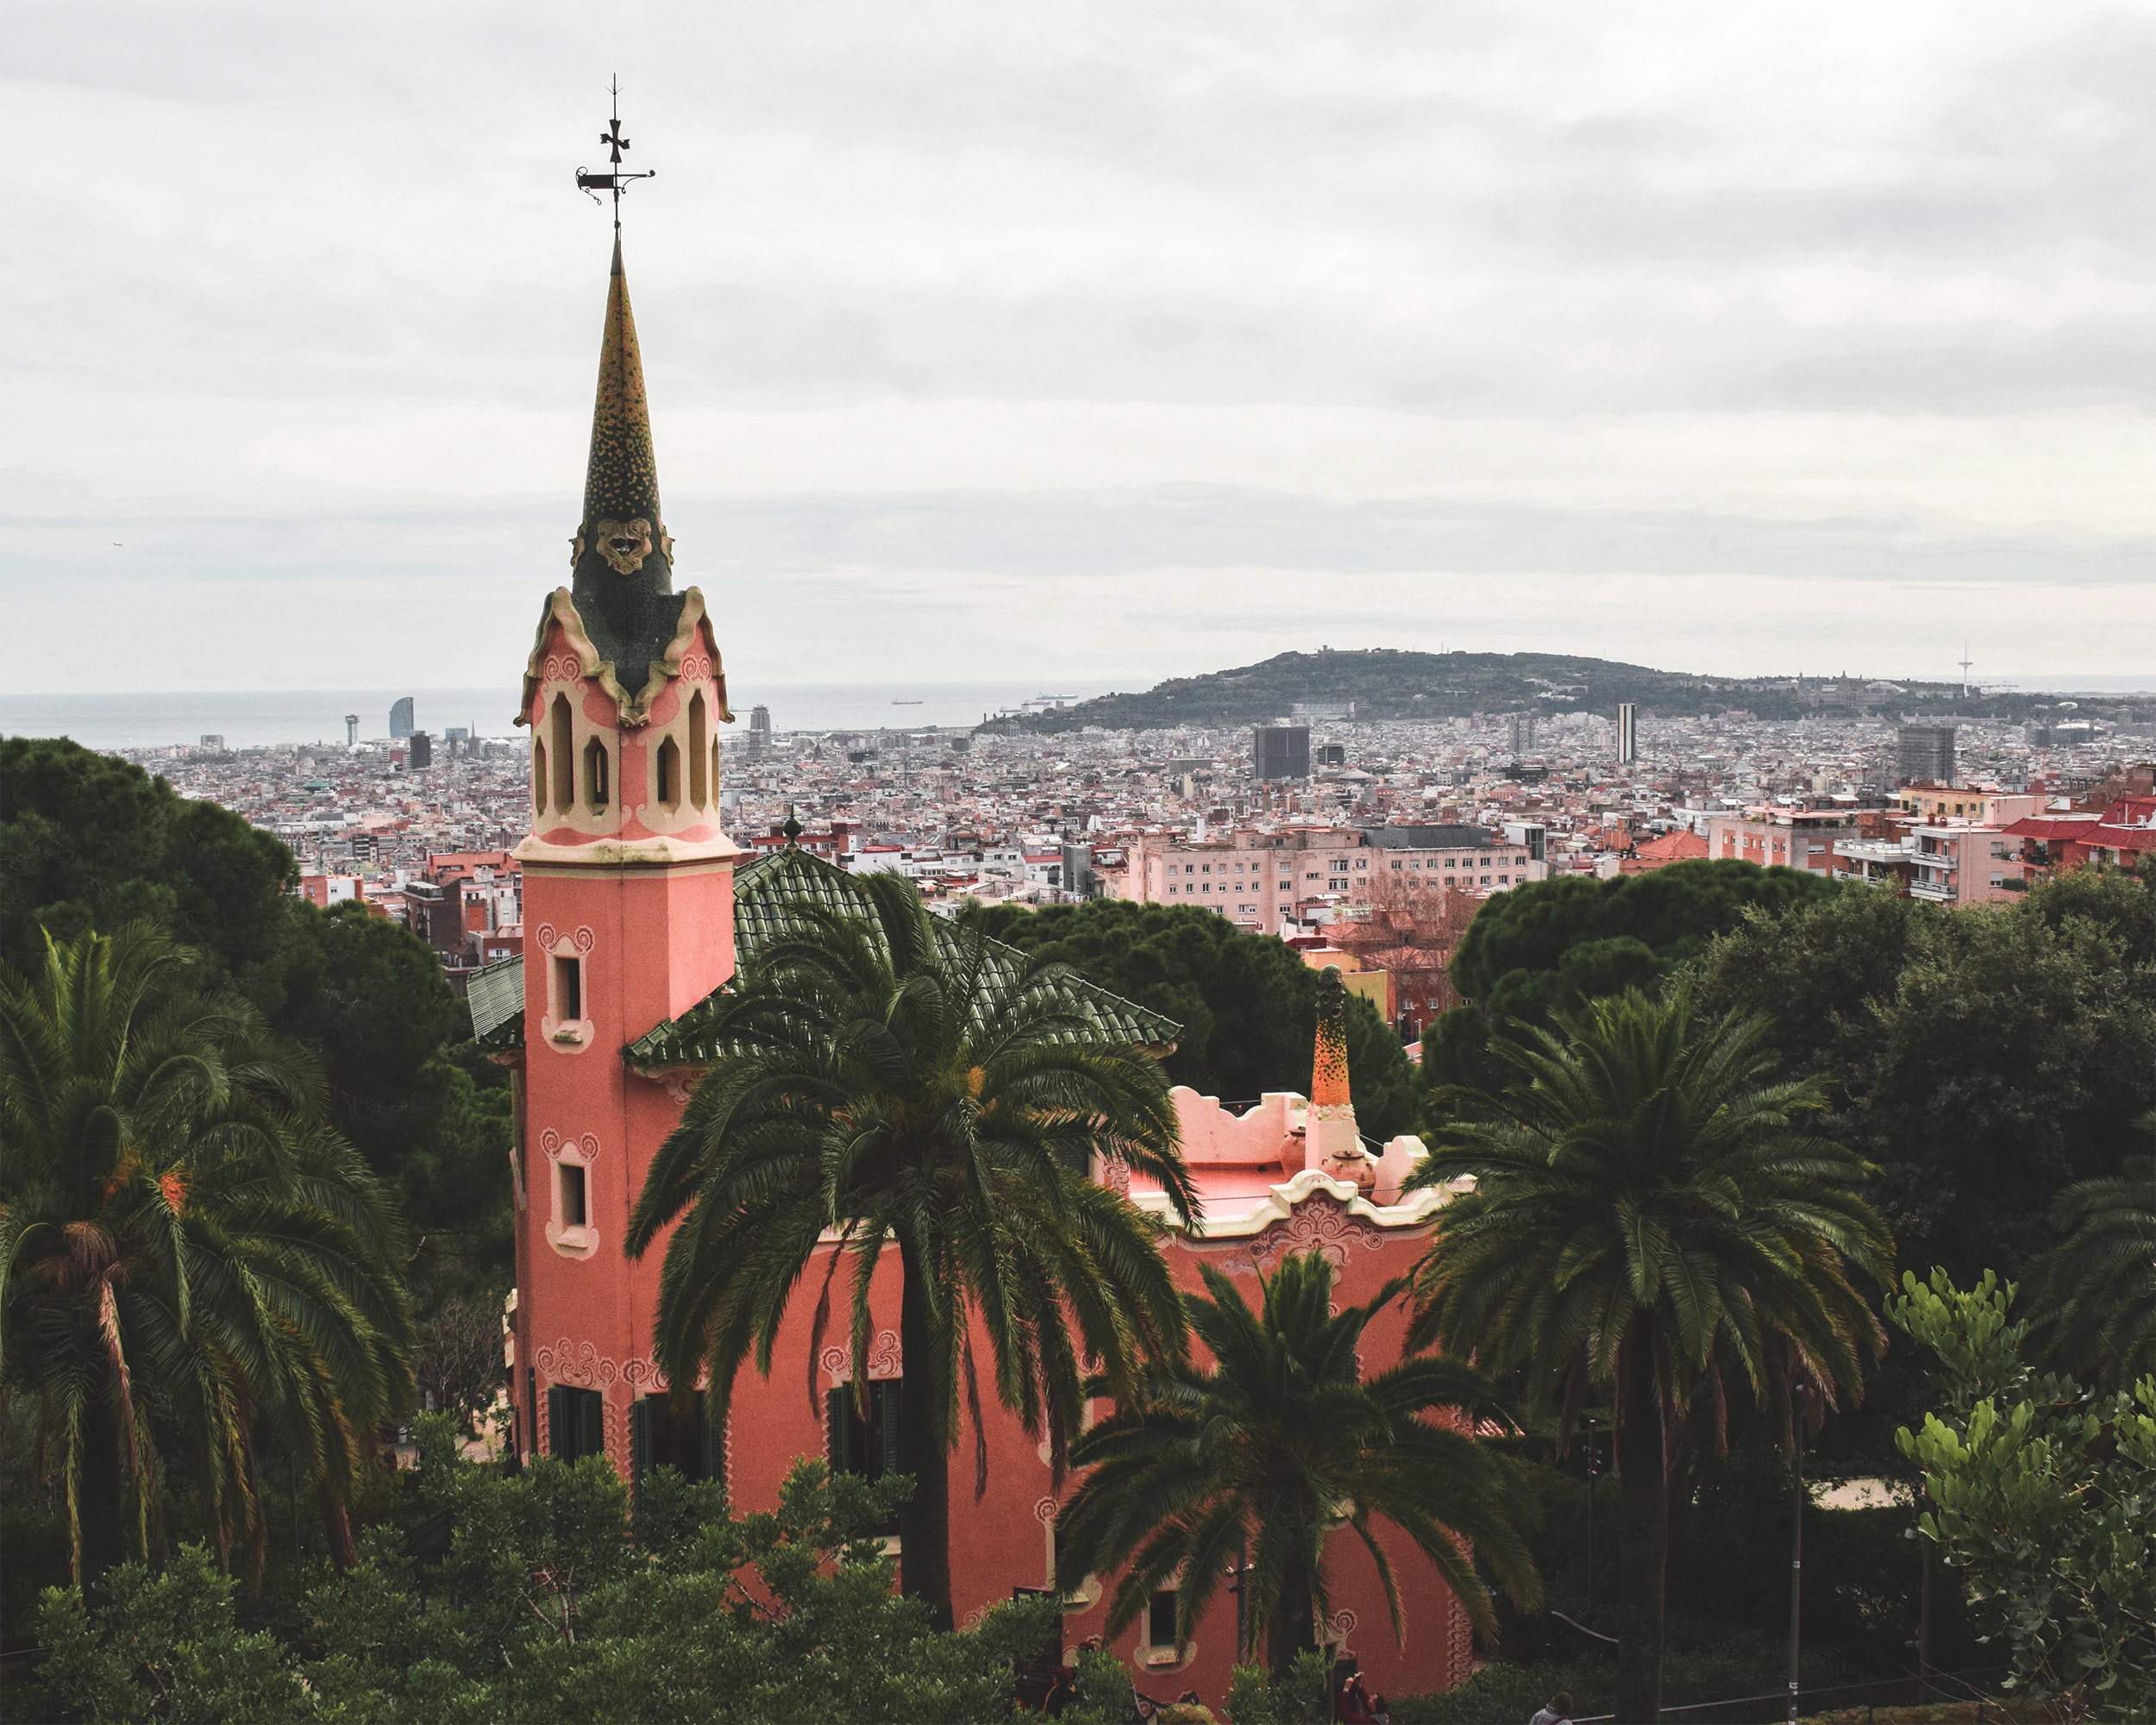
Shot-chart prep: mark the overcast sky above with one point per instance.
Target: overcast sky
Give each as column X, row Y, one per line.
column 1090, row 343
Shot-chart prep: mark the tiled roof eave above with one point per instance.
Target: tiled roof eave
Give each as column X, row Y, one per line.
column 759, row 916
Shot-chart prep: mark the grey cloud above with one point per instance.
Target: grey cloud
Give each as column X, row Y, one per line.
column 1472, row 210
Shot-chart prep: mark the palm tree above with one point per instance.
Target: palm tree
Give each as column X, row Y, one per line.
column 888, row 1080
column 2098, row 1285
column 182, row 1247
column 1262, row 1455
column 1650, row 1216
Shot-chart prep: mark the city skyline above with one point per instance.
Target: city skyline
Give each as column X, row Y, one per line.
column 1810, row 340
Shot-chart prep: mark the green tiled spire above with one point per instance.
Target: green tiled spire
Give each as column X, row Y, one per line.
column 623, row 581
column 621, row 482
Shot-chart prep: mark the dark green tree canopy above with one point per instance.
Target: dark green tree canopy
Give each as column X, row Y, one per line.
column 90, row 841
column 1549, row 945
column 1984, row 1060
column 1247, row 1003
column 1553, row 942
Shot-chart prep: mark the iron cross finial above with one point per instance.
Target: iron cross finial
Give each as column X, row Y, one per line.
column 616, row 182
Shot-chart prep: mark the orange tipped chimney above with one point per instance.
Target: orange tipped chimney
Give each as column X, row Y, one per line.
column 1329, row 1068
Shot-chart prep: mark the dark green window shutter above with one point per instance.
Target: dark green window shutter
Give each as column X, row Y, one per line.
column 560, row 1438
column 840, row 1406
column 592, row 1437
column 711, row 1462
column 885, row 1410
column 641, row 1459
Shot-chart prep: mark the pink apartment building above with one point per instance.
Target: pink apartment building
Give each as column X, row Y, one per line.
column 1261, row 878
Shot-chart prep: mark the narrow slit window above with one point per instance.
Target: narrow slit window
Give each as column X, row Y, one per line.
column 538, row 775
column 564, row 751
column 665, row 775
column 698, row 725
column 597, row 791
column 568, row 989
column 575, row 1206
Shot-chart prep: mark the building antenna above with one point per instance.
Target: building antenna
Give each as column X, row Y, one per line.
column 614, row 181
column 1965, row 662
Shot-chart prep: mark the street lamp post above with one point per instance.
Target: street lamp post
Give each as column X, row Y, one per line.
column 1924, row 1617
column 1797, row 1540
column 1593, row 1468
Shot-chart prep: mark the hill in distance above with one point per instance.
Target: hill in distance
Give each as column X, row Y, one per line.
column 1385, row 684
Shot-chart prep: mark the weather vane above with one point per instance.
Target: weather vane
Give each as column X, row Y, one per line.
column 614, row 180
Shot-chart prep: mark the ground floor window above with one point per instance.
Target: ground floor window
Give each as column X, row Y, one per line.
column 864, row 1431
column 864, row 1435
column 665, row 1433
column 576, row 1422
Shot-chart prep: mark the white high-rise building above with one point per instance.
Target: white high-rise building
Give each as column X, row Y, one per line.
column 1628, row 733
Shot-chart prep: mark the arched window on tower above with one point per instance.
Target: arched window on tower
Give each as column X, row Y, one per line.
column 564, row 753
column 538, row 776
column 597, row 791
column 666, row 773
column 696, row 749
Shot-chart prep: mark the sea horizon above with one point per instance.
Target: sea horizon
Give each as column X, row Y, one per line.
column 251, row 718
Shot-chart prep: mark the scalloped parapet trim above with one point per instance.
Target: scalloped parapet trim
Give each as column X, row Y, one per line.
column 561, row 607
column 1279, row 1205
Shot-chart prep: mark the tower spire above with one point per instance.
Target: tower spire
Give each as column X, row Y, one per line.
column 623, row 559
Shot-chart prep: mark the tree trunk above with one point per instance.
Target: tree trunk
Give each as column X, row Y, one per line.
column 101, row 1493
column 1643, row 1534
column 1291, row 1631
column 924, row 1522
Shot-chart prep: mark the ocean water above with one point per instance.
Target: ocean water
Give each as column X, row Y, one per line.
column 248, row 718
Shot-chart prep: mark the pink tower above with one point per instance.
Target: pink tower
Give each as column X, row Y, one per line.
column 629, row 909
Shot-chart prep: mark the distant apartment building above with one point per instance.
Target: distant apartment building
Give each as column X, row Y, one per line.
column 468, row 906
column 2120, row 837
column 1950, row 802
column 2064, row 733
column 1773, row 837
column 422, row 750
column 1961, row 863
column 1280, row 751
column 325, row 890
column 1628, row 733
column 1924, row 755
column 1264, row 877
column 759, row 729
column 1078, row 876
